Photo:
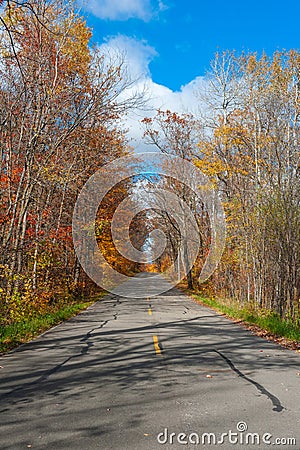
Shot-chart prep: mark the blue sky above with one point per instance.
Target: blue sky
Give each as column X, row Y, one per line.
column 184, row 35
column 168, row 44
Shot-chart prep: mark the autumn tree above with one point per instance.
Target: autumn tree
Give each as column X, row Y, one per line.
column 178, row 135
column 251, row 151
column 60, row 100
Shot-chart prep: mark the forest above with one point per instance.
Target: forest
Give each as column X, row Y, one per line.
column 61, row 106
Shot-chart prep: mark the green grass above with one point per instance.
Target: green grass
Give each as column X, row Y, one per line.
column 13, row 335
column 265, row 320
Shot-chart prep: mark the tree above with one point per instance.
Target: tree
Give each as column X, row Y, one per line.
column 251, row 151
column 60, row 101
column 177, row 135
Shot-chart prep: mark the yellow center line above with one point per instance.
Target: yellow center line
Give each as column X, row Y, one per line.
column 149, row 309
column 156, row 345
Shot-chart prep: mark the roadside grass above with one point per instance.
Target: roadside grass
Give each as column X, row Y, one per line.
column 17, row 333
column 264, row 319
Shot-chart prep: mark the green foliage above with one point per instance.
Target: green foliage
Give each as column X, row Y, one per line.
column 22, row 331
column 264, row 319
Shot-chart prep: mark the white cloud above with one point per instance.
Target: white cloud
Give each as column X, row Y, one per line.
column 182, row 101
column 161, row 97
column 121, row 9
column 138, row 55
column 162, row 6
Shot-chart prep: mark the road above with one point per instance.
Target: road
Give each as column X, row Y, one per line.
column 128, row 372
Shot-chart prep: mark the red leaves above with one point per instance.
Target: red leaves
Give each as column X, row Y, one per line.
column 62, row 234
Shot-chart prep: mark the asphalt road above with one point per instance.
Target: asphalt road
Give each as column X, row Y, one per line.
column 129, row 371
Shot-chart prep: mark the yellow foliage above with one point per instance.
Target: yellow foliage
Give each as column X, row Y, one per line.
column 74, row 45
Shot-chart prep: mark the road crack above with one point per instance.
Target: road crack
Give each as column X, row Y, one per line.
column 277, row 406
